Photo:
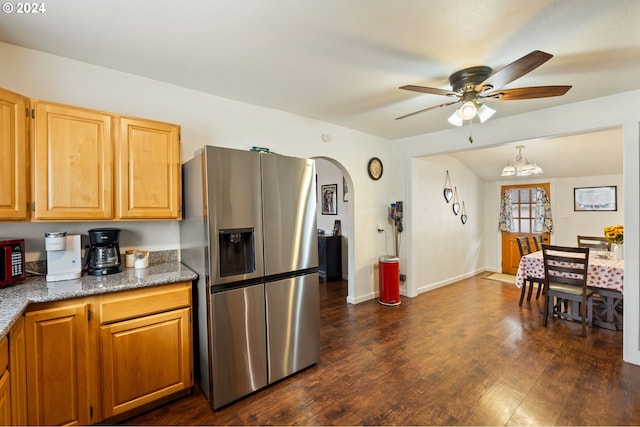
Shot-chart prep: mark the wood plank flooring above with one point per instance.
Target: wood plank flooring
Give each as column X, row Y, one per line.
column 464, row 354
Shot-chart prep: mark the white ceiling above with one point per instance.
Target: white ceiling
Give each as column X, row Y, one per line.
column 586, row 154
column 342, row 61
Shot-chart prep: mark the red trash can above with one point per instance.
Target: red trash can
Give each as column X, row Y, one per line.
column 389, row 278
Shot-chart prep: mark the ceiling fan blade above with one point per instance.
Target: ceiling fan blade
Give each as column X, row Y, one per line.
column 528, row 92
column 516, row 69
column 431, row 90
column 427, row 109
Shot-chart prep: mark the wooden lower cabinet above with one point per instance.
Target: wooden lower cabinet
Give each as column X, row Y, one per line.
column 5, row 384
column 58, row 366
column 5, row 399
column 144, row 360
column 94, row 359
column 18, row 369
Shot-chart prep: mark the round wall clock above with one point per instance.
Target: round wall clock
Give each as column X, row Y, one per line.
column 374, row 168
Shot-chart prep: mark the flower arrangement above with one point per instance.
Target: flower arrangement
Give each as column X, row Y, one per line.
column 614, row 233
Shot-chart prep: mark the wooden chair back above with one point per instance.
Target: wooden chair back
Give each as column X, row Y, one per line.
column 565, row 276
column 538, row 240
column 523, row 245
column 594, row 242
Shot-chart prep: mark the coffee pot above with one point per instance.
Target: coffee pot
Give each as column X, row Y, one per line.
column 103, row 256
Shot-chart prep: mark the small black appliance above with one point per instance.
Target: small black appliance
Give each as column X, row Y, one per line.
column 103, row 256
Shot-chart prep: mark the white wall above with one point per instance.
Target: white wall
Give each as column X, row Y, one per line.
column 446, row 249
column 205, row 119
column 569, row 223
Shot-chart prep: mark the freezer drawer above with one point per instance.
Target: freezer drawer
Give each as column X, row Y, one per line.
column 239, row 343
column 293, row 325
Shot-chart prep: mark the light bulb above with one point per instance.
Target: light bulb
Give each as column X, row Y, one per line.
column 467, row 111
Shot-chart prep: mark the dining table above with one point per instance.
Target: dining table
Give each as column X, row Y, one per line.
column 605, row 276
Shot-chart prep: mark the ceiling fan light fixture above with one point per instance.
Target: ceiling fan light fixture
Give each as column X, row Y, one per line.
column 467, row 111
column 520, row 166
column 455, row 119
column 485, row 113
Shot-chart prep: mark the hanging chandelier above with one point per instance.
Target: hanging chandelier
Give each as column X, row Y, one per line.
column 520, row 166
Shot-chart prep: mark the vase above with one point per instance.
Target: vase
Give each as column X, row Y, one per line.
column 618, row 250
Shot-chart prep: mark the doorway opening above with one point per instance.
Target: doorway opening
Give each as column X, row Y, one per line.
column 334, row 196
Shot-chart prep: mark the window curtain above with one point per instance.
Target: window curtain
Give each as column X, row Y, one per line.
column 505, row 220
column 543, row 220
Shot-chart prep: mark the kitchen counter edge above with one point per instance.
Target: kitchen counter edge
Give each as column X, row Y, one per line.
column 15, row 299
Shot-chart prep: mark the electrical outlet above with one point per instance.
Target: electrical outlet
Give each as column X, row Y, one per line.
column 403, row 277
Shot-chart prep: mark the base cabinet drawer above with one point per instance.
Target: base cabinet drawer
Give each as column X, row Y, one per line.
column 145, row 359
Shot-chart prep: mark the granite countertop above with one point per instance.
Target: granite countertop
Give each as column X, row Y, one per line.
column 15, row 299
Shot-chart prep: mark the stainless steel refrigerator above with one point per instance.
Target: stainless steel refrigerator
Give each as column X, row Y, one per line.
column 249, row 231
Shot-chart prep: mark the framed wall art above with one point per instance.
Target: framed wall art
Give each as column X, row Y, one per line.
column 329, row 195
column 595, row 198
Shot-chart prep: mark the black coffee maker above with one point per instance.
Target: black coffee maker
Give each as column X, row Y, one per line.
column 103, row 256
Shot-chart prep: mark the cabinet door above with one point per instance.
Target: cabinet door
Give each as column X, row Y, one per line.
column 149, row 170
column 5, row 399
column 145, row 359
column 18, row 369
column 72, row 163
column 58, row 366
column 5, row 391
column 13, row 156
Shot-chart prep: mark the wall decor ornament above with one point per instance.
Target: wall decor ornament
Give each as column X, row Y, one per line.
column 448, row 192
column 463, row 216
column 456, row 205
column 345, row 190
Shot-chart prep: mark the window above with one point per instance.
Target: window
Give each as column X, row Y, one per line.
column 524, row 211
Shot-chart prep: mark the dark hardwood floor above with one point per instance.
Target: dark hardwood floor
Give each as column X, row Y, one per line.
column 464, row 354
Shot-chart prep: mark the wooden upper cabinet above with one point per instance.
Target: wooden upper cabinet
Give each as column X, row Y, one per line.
column 148, row 170
column 72, row 163
column 85, row 165
column 13, row 156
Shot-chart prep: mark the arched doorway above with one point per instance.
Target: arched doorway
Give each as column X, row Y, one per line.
column 335, row 227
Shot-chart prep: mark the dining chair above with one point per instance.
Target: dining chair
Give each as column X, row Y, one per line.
column 538, row 240
column 565, row 277
column 524, row 247
column 594, row 242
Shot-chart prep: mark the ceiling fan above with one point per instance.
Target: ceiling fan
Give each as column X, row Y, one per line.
column 471, row 86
